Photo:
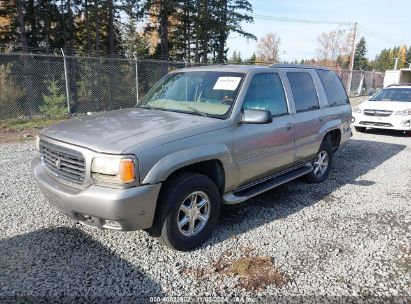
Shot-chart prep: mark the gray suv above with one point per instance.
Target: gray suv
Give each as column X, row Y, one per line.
column 201, row 137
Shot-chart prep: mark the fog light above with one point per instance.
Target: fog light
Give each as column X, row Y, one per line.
column 406, row 123
column 112, row 224
column 352, row 119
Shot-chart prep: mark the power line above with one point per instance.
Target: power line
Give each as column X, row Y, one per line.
column 295, row 20
column 375, row 35
column 363, row 29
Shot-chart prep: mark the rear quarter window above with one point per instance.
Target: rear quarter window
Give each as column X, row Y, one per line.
column 304, row 92
column 333, row 88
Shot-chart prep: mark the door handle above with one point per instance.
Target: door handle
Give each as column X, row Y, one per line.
column 290, row 126
column 321, row 118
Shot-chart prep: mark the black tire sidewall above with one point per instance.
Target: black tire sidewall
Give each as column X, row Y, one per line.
column 170, row 233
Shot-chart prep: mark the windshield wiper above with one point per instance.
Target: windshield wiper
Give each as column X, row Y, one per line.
column 194, row 110
column 146, row 106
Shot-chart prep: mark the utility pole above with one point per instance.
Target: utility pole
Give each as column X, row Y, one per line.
column 352, row 59
column 396, row 63
column 135, row 58
column 67, row 81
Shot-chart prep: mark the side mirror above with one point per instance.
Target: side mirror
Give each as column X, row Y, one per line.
column 256, row 117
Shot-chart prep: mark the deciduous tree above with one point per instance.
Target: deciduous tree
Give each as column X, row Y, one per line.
column 268, row 48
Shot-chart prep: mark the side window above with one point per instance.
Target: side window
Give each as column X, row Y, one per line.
column 333, row 87
column 266, row 92
column 304, row 92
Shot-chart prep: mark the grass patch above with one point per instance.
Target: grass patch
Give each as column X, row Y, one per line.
column 20, row 124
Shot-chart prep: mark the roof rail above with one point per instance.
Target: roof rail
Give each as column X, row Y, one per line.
column 399, row 84
column 297, row 66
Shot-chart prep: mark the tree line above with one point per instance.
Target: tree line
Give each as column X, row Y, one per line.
column 334, row 50
column 191, row 30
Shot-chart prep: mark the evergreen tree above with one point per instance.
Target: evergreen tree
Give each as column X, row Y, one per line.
column 252, row 59
column 383, row 60
column 236, row 57
column 360, row 59
column 55, row 101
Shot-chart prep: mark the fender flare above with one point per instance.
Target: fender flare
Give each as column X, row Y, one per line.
column 329, row 126
column 175, row 161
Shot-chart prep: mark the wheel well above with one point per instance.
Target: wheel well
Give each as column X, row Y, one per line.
column 211, row 168
column 335, row 138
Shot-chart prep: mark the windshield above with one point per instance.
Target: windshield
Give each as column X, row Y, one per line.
column 204, row 93
column 393, row 94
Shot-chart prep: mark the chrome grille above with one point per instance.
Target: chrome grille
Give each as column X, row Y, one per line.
column 379, row 113
column 63, row 163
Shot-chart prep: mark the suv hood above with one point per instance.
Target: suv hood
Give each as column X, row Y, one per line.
column 385, row 105
column 116, row 131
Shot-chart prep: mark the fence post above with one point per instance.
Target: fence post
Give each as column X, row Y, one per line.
column 67, row 81
column 135, row 58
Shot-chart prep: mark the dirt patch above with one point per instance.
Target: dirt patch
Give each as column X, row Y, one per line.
column 254, row 272
column 7, row 136
column 20, row 129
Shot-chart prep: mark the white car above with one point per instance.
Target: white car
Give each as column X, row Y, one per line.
column 390, row 108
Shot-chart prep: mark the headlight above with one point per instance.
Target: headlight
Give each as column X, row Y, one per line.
column 403, row 113
column 113, row 170
column 356, row 110
column 37, row 143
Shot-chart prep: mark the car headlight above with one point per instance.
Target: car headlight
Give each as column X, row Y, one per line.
column 356, row 110
column 37, row 143
column 403, row 113
column 114, row 170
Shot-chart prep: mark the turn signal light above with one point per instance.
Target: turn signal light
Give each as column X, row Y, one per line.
column 127, row 171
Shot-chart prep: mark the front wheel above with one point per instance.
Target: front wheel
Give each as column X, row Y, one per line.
column 322, row 163
column 190, row 207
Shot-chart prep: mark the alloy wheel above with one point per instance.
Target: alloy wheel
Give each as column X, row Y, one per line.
column 321, row 163
column 193, row 213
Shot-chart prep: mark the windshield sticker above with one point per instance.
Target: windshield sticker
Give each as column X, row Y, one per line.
column 227, row 83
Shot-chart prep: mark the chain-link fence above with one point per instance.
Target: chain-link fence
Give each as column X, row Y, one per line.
column 36, row 84
column 362, row 82
column 33, row 84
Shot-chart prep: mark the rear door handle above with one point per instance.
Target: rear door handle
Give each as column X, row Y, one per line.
column 290, row 126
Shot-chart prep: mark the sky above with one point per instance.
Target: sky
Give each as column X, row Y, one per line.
column 383, row 23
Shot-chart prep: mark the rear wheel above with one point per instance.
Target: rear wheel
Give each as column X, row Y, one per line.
column 360, row 129
column 190, row 207
column 322, row 162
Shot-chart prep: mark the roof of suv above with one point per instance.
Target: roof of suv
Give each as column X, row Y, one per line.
column 247, row 68
column 399, row 86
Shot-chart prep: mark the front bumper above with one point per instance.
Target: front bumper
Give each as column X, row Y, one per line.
column 394, row 122
column 97, row 206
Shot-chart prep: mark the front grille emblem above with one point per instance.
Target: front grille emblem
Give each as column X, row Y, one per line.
column 58, row 163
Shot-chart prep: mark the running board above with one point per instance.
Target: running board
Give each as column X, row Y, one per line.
column 240, row 196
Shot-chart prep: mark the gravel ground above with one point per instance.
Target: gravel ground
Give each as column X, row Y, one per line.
column 349, row 236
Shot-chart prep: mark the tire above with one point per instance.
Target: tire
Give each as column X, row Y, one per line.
column 361, row 129
column 176, row 205
column 320, row 173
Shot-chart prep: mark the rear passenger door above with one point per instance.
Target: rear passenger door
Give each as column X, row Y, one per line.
column 308, row 116
column 262, row 149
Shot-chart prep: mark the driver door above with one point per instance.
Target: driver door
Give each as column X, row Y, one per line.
column 264, row 149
